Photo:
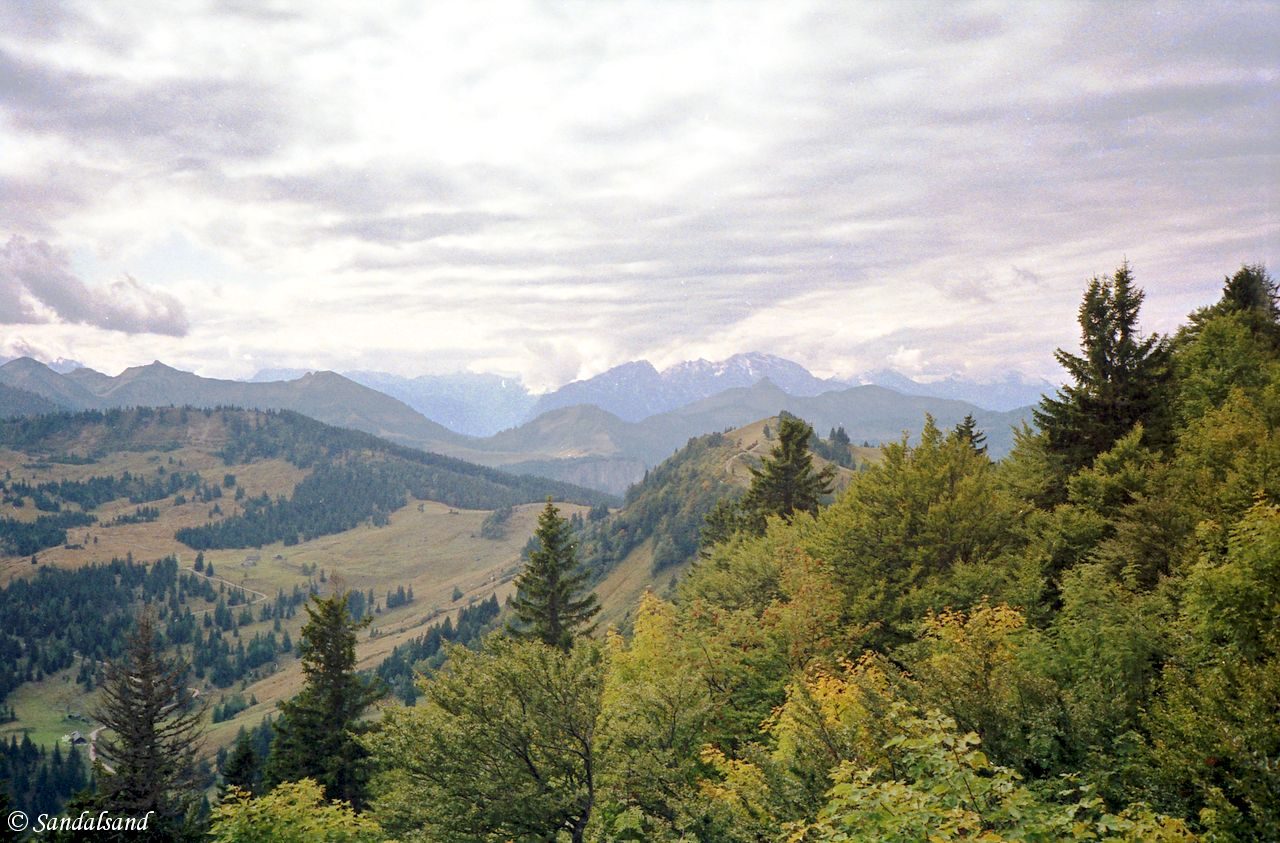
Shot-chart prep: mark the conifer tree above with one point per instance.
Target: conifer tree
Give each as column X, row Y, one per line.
column 1252, row 294
column 1252, row 290
column 1120, row 378
column 243, row 767
column 317, row 735
column 148, row 756
column 968, row 431
column 786, row 482
column 552, row 603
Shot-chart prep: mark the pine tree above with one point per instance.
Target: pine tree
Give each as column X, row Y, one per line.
column 316, row 736
column 1120, row 379
column 243, row 767
column 148, row 757
column 1252, row 290
column 786, row 482
column 1252, row 294
column 968, row 431
column 550, row 602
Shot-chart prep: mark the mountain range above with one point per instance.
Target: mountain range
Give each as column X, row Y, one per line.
column 324, row 396
column 580, row 442
column 484, row 404
column 635, row 391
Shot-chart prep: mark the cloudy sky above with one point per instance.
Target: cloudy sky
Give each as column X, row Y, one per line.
column 549, row 189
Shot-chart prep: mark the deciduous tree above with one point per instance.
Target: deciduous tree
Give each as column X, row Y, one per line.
column 295, row 812
column 501, row 747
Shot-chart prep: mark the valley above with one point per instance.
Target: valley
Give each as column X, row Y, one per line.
column 440, row 553
column 430, row 549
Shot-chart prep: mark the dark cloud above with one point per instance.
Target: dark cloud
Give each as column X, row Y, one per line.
column 37, row 285
column 178, row 120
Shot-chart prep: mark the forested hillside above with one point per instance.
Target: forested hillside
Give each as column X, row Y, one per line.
column 1077, row 642
column 353, row 477
column 278, row 507
column 660, row 527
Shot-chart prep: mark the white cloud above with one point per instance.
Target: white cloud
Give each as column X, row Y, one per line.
column 552, row 190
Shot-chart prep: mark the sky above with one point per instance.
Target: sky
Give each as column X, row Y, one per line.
column 550, row 189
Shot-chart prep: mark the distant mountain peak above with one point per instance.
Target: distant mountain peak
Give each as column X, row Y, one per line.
column 635, row 366
column 25, row 364
column 636, row 390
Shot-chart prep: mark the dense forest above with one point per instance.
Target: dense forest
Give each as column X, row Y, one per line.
column 63, row 618
column 40, row 779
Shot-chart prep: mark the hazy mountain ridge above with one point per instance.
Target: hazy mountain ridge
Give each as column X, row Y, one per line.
column 1011, row 391
column 325, row 396
column 635, row 391
column 868, row 413
column 467, row 403
column 21, row 402
column 580, row 443
column 482, row 405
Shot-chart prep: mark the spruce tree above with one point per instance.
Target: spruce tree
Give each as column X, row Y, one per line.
column 1250, row 293
column 154, row 728
column 1252, row 290
column 317, row 735
column 243, row 767
column 786, row 482
column 1120, row 379
column 969, row 432
column 551, row 602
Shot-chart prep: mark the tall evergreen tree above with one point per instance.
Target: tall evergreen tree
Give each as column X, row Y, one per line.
column 1251, row 289
column 1120, row 379
column 1252, row 294
column 552, row 602
column 786, row 482
column 317, row 735
column 148, row 756
column 243, row 768
column 968, row 431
